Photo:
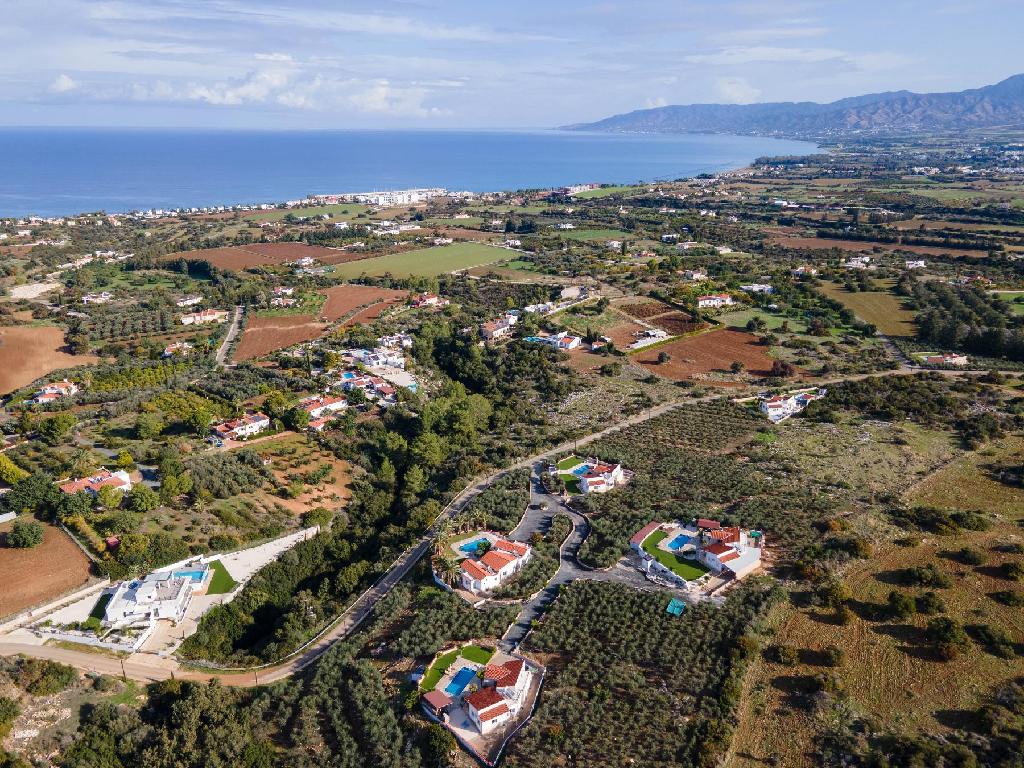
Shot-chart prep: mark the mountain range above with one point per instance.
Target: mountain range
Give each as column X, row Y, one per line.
column 895, row 112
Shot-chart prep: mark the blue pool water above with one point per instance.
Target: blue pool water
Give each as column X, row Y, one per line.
column 471, row 546
column 581, row 470
column 678, row 542
column 460, row 681
column 196, row 576
column 348, row 375
column 534, row 338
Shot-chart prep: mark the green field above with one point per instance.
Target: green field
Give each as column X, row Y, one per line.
column 772, row 321
column 339, row 212
column 220, row 582
column 595, row 234
column 680, row 566
column 1015, row 299
column 423, row 262
column 882, row 309
column 602, row 192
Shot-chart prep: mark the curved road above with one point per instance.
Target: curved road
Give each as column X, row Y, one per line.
column 149, row 667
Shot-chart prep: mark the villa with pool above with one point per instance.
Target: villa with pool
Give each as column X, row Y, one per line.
column 481, row 695
column 703, row 553
column 590, row 475
column 488, row 560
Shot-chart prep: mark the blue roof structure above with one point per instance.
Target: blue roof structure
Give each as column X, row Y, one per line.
column 676, row 607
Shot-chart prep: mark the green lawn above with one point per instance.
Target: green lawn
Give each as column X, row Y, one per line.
column 520, row 264
column 568, row 463
column 602, row 192
column 424, row 262
column 220, row 582
column 473, row 653
column 687, row 569
column 595, row 234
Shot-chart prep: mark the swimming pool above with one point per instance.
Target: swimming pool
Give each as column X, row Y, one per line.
column 460, row 681
column 473, row 546
column 679, row 542
column 195, row 576
column 581, row 470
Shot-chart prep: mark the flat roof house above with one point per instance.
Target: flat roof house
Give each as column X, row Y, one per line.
column 714, row 300
column 155, row 597
column 206, row 316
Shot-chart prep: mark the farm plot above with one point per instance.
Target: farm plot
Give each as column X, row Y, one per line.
column 264, row 335
column 860, row 246
column 342, row 299
column 29, row 352
column 882, row 309
column 35, row 576
column 256, row 255
column 645, row 309
column 715, row 351
column 424, row 262
column 676, row 323
column 586, row 235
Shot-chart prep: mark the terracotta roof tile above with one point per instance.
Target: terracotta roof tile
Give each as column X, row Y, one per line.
column 483, row 699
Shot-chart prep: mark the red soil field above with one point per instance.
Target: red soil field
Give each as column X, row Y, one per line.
column 369, row 314
column 29, row 352
column 342, row 299
column 859, row 246
column 38, row 575
column 257, row 255
column 622, row 334
column 713, row 351
column 264, row 335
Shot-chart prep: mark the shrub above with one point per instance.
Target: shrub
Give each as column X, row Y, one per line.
column 901, row 606
column 9, row 711
column 783, row 654
column 1009, row 597
column 946, row 637
column 929, row 604
column 42, row 677
column 970, row 556
column 25, row 534
column 833, row 656
column 1012, row 571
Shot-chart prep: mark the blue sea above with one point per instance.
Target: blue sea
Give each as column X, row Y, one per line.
column 58, row 171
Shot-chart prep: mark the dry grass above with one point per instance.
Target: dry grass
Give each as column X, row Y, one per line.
column 706, row 353
column 342, row 299
column 264, row 335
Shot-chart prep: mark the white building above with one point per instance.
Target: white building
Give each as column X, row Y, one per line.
column 248, row 425
column 189, row 301
column 206, row 316
column 714, row 301
column 781, row 407
column 601, row 478
column 916, row 264
column 55, row 390
column 322, row 405
column 957, row 361
column 155, row 597
column 97, row 298
column 496, row 566
column 102, row 479
column 757, row 288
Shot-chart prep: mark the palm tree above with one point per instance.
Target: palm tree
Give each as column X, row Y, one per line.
column 444, row 532
column 447, row 569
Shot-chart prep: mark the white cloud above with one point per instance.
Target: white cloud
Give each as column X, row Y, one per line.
column 736, row 90
column 768, row 34
column 740, row 55
column 62, row 84
column 277, row 56
column 653, row 103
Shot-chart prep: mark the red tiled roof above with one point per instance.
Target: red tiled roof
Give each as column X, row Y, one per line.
column 437, row 699
column 496, row 560
column 484, row 699
column 705, row 523
column 717, row 548
column 499, row 710
column 515, row 547
column 726, row 535
column 504, row 674
column 643, row 533
column 727, row 558
column 474, row 570
column 95, row 482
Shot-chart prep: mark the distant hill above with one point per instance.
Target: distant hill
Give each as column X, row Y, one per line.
column 994, row 106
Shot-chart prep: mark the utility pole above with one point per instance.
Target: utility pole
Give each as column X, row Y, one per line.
column 124, row 675
column 256, row 677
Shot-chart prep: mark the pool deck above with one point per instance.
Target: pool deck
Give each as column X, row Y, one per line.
column 461, row 539
column 674, row 531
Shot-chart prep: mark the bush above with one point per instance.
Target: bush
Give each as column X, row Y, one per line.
column 42, row 677
column 1012, row 571
column 786, row 655
column 901, row 606
column 833, row 656
column 946, row 637
column 319, row 516
column 925, row 576
column 25, row 534
column 970, row 556
column 1009, row 597
column 929, row 604
column 9, row 711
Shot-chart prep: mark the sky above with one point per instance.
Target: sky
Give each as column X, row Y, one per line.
column 444, row 64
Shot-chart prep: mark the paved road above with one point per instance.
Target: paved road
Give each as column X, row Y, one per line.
column 569, row 568
column 148, row 668
column 229, row 337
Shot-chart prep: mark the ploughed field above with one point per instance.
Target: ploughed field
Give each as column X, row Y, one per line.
column 709, row 352
column 36, row 576
column 343, row 299
column 263, row 254
column 264, row 335
column 30, row 352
